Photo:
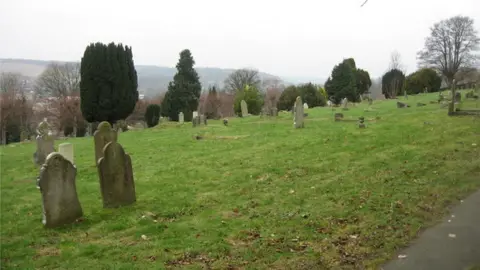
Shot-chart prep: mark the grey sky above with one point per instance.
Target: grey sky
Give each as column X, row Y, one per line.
column 289, row 38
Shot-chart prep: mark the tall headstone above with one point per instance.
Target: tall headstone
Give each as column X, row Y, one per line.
column 66, row 150
column 244, row 108
column 181, row 118
column 45, row 143
column 195, row 114
column 116, row 177
column 102, row 136
column 59, row 194
column 298, row 115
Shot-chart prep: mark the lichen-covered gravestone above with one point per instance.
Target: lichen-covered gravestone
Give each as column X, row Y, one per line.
column 181, row 118
column 244, row 108
column 45, row 144
column 116, row 177
column 298, row 114
column 66, row 150
column 102, row 136
column 59, row 193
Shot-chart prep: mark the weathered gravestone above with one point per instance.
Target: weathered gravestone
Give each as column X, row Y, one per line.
column 194, row 114
column 402, row 105
column 305, row 106
column 458, row 97
column 116, row 177
column 225, row 122
column 45, row 144
column 181, row 118
column 361, row 122
column 244, row 108
column 299, row 114
column 102, row 136
column 66, row 150
column 59, row 194
column 338, row 116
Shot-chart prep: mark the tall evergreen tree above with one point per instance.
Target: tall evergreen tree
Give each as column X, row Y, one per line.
column 212, row 103
column 108, row 85
column 184, row 91
column 342, row 83
column 152, row 115
column 363, row 81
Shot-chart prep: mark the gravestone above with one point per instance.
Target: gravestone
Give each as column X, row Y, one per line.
column 116, row 177
column 458, row 97
column 102, row 136
column 181, row 118
column 244, row 108
column 45, row 143
column 421, row 104
column 225, row 122
column 402, row 105
column 299, row 114
column 305, row 106
column 361, row 122
column 338, row 116
column 194, row 114
column 345, row 102
column 59, row 194
column 329, row 103
column 66, row 150
column 274, row 111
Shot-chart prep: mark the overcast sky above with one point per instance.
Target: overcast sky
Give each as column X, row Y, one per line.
column 287, row 38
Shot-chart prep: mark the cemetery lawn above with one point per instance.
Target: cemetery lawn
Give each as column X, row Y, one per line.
column 257, row 194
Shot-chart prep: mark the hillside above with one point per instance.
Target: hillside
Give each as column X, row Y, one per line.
column 151, row 79
column 256, row 194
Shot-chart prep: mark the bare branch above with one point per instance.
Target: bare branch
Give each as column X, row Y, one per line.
column 238, row 79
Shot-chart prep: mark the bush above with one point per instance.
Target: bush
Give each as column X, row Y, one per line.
column 308, row 92
column 152, row 115
column 252, row 97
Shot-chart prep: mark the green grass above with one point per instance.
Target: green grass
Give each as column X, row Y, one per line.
column 330, row 195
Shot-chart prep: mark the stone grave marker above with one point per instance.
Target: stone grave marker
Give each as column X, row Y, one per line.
column 299, row 114
column 59, row 194
column 458, row 97
column 401, row 105
column 274, row 111
column 102, row 136
column 225, row 122
column 45, row 143
column 361, row 122
column 421, row 104
column 338, row 116
column 305, row 106
column 116, row 176
column 181, row 118
column 66, row 150
column 244, row 108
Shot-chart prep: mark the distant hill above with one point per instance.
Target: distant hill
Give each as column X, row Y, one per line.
column 152, row 80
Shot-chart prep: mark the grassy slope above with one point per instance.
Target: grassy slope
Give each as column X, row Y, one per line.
column 329, row 195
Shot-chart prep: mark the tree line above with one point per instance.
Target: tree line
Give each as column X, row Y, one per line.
column 103, row 87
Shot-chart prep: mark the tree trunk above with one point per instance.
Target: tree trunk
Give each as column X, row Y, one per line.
column 451, row 108
column 74, row 127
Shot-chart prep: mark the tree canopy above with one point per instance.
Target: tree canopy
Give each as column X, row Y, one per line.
column 184, row 91
column 423, row 80
column 342, row 82
column 108, row 85
column 393, row 83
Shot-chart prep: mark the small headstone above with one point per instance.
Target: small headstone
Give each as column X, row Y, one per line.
column 305, row 106
column 102, row 136
column 66, row 150
column 329, row 103
column 299, row 114
column 59, row 194
column 421, row 104
column 274, row 111
column 361, row 122
column 195, row 114
column 402, row 105
column 116, row 177
column 225, row 122
column 345, row 102
column 181, row 118
column 244, row 108
column 458, row 97
column 45, row 144
column 194, row 121
column 338, row 116
column 202, row 119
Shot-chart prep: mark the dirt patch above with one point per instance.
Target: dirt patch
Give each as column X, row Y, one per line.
column 46, row 251
column 189, row 259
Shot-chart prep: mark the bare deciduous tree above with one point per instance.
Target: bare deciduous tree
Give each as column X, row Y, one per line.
column 238, row 79
column 396, row 61
column 15, row 109
column 62, row 82
column 450, row 47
